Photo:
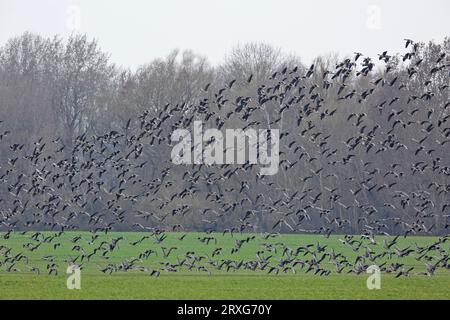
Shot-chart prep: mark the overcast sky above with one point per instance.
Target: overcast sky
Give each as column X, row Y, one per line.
column 136, row 31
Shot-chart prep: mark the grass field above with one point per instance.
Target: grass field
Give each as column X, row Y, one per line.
column 240, row 284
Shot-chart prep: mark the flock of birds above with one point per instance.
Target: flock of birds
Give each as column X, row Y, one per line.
column 110, row 182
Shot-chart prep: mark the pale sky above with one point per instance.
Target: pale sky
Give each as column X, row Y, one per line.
column 136, row 31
